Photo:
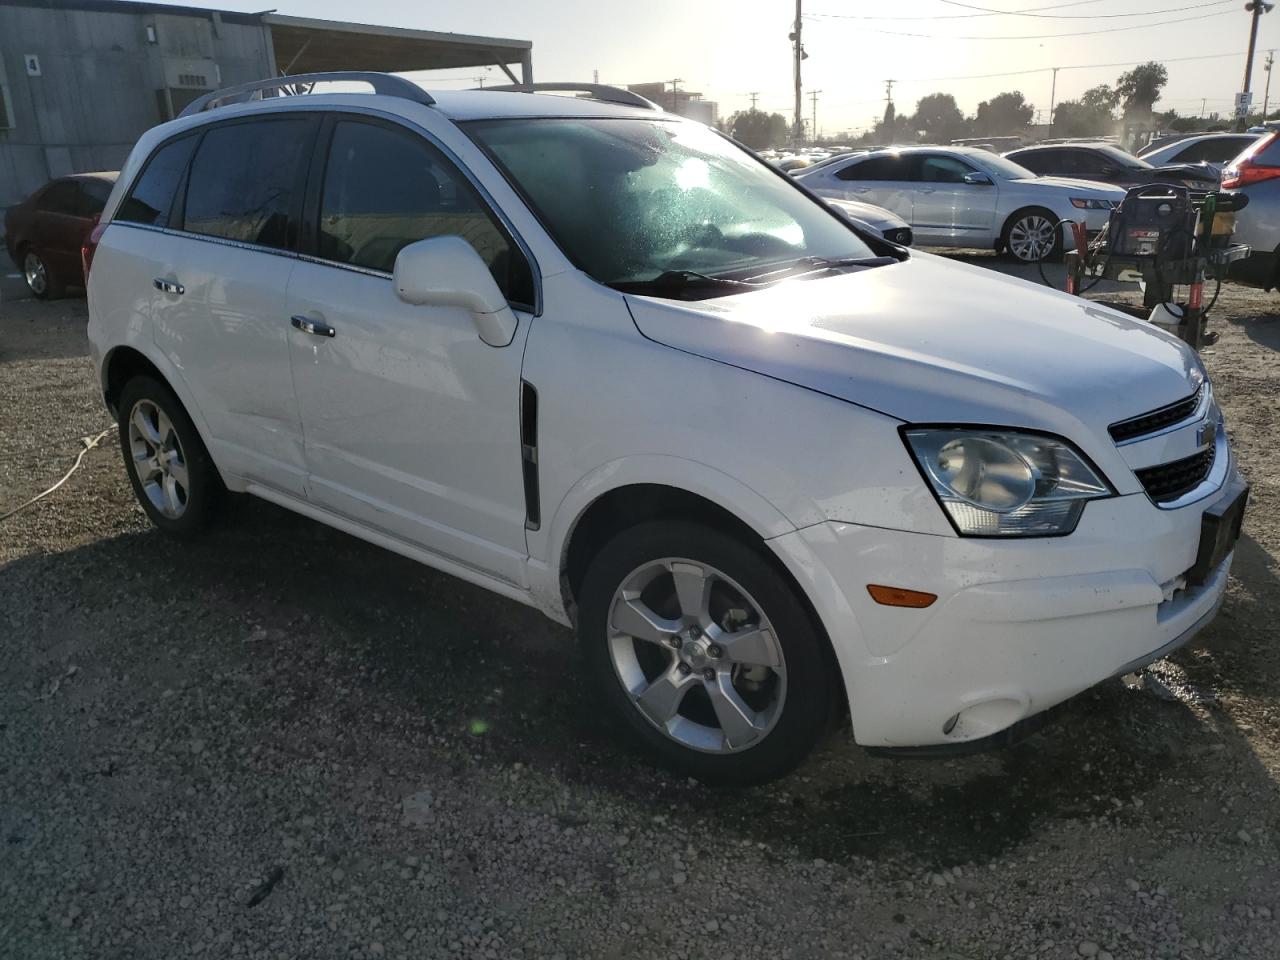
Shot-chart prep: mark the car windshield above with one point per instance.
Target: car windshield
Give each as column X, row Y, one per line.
column 631, row 201
column 1002, row 166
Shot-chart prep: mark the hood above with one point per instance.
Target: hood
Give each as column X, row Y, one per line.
column 877, row 217
column 928, row 340
column 1091, row 187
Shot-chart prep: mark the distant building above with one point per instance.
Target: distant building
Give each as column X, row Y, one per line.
column 80, row 80
column 686, row 103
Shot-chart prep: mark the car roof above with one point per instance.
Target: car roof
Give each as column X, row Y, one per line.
column 107, row 176
column 492, row 105
column 934, row 148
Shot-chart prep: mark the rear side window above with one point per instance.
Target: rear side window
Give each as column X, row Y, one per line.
column 151, row 198
column 92, row 198
column 59, row 198
column 888, row 167
column 245, row 181
column 386, row 188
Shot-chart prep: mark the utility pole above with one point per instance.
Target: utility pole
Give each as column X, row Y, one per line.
column 754, row 97
column 1266, row 96
column 1053, row 96
column 1257, row 8
column 595, row 76
column 813, row 95
column 797, row 131
column 1203, row 101
column 675, row 89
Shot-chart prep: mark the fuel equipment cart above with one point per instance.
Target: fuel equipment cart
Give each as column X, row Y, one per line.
column 1172, row 242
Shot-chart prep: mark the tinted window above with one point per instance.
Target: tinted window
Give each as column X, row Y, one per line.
column 92, row 198
column 385, row 189
column 1040, row 162
column 1215, row 150
column 59, row 198
column 1084, row 163
column 246, row 181
column 152, row 195
column 887, row 167
column 942, row 170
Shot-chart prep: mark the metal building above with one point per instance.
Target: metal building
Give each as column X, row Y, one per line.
column 81, row 79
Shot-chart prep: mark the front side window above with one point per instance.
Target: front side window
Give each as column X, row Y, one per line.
column 152, row 196
column 386, row 188
column 943, row 170
column 634, row 200
column 245, row 181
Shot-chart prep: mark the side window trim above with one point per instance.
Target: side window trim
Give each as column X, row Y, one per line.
column 167, row 213
column 308, row 245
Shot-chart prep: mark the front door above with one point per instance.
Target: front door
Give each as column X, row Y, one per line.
column 947, row 209
column 411, row 422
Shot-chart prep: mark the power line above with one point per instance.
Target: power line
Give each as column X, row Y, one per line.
column 1084, row 16
column 1076, row 66
column 1036, row 36
column 958, row 16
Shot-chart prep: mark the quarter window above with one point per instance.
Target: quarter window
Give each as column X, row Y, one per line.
column 152, row 195
column 246, row 181
column 385, row 189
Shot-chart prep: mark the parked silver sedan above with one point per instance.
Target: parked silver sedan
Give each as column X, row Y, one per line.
column 967, row 197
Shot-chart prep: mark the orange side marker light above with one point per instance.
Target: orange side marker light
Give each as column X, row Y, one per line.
column 899, row 596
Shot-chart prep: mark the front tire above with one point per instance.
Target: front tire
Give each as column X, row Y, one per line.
column 169, row 467
column 1032, row 235
column 705, row 653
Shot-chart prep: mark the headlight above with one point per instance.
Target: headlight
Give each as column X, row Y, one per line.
column 996, row 483
column 1082, row 203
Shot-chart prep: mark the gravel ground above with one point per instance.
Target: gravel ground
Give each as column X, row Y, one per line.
column 281, row 742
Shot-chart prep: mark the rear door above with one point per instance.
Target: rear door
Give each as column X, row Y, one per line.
column 221, row 316
column 948, row 210
column 57, row 229
column 883, row 179
column 411, row 421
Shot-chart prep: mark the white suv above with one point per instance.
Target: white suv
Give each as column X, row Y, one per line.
column 603, row 361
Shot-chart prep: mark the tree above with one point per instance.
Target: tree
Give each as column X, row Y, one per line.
column 757, row 129
column 1140, row 87
column 1092, row 115
column 1003, row 114
column 938, row 117
column 887, row 129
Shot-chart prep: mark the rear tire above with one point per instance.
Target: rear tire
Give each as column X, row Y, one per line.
column 169, row 467
column 1026, row 236
column 41, row 280
column 750, row 687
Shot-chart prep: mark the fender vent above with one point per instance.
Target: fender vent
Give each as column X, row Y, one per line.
column 529, row 454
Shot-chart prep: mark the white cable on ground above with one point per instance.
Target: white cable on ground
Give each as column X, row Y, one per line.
column 88, row 444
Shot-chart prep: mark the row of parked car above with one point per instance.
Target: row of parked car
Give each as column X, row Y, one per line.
column 969, row 197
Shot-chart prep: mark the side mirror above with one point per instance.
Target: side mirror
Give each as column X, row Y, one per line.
column 977, row 179
column 447, row 271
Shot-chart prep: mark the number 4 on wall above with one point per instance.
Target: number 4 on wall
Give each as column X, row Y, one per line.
column 33, row 64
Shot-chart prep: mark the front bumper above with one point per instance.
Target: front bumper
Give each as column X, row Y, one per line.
column 1019, row 625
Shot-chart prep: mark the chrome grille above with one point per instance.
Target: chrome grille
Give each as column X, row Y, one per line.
column 1155, row 420
column 1169, row 481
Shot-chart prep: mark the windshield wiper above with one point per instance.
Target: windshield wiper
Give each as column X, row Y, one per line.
column 676, row 282
column 810, row 265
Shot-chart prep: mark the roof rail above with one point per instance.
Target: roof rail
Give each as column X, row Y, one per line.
column 598, row 91
column 385, row 84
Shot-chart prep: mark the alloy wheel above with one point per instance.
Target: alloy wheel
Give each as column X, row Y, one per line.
column 696, row 655
column 158, row 459
column 1032, row 238
column 36, row 274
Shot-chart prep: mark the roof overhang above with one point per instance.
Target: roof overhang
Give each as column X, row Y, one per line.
column 304, row 45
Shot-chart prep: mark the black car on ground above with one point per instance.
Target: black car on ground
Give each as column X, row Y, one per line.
column 1106, row 163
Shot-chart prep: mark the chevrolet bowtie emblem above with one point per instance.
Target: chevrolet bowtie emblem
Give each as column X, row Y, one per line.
column 1207, row 434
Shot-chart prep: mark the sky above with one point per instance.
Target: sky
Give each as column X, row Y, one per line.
column 728, row 49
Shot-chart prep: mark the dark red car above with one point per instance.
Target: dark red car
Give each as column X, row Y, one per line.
column 45, row 231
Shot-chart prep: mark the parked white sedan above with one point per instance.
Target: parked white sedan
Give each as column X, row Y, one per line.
column 966, row 197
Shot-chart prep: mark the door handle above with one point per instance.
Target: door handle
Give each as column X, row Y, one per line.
column 168, row 286
column 315, row 327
